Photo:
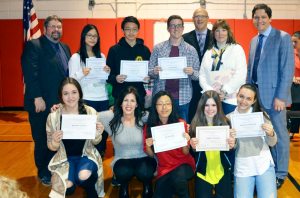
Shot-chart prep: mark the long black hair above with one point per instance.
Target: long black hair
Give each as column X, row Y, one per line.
column 200, row 118
column 118, row 111
column 153, row 119
column 82, row 50
column 72, row 81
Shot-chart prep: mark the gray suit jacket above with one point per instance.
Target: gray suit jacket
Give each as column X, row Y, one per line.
column 275, row 70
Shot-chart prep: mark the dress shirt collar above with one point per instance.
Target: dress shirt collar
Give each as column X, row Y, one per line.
column 202, row 32
column 267, row 32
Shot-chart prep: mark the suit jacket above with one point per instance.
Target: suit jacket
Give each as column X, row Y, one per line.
column 191, row 38
column 43, row 72
column 275, row 70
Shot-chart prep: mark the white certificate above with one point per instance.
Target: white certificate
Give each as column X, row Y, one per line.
column 248, row 124
column 78, row 126
column 96, row 73
column 172, row 67
column 212, row 138
column 135, row 71
column 168, row 137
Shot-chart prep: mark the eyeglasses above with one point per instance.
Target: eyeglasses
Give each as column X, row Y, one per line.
column 91, row 36
column 176, row 26
column 200, row 17
column 131, row 30
column 55, row 26
column 164, row 104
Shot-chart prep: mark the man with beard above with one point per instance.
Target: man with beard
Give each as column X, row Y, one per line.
column 45, row 65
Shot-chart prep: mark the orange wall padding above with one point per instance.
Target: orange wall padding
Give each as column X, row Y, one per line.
column 11, row 80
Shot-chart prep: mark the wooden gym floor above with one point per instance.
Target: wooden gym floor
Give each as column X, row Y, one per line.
column 17, row 161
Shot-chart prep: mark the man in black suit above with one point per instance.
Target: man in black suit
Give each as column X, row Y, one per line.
column 199, row 39
column 45, row 65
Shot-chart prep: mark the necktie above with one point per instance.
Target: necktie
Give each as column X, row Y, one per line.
column 201, row 42
column 256, row 58
column 62, row 57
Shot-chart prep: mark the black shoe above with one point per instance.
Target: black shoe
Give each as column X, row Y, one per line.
column 45, row 180
column 123, row 191
column 114, row 181
column 279, row 182
column 147, row 191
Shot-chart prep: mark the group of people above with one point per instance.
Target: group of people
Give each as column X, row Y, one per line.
column 218, row 84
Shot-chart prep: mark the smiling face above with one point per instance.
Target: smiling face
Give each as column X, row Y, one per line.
column 130, row 31
column 245, row 99
column 200, row 18
column 91, row 38
column 129, row 104
column 261, row 20
column 54, row 30
column 164, row 107
column 221, row 35
column 175, row 29
column 70, row 96
column 210, row 109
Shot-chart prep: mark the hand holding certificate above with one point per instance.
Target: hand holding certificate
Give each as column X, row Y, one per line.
column 135, row 71
column 97, row 72
column 212, row 138
column 78, row 126
column 248, row 124
column 168, row 137
column 172, row 67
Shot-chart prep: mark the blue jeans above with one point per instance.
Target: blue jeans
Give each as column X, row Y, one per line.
column 265, row 185
column 281, row 151
column 77, row 164
column 183, row 110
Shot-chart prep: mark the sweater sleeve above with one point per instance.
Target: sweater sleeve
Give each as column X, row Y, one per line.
column 105, row 117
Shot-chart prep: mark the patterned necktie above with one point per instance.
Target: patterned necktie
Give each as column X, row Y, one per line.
column 217, row 58
column 201, row 42
column 256, row 58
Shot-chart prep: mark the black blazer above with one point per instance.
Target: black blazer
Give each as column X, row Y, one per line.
column 191, row 38
column 43, row 72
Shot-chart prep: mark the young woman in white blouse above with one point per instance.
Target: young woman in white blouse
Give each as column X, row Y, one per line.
column 94, row 94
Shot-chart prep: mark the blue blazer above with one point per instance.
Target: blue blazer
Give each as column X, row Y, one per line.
column 275, row 70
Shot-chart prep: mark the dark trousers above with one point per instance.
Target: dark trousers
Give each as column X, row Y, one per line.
column 142, row 168
column 223, row 189
column 295, row 121
column 100, row 106
column 42, row 155
column 174, row 182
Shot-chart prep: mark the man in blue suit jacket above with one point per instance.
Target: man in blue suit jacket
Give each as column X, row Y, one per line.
column 44, row 65
column 274, row 71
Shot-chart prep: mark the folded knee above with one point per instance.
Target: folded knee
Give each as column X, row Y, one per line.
column 84, row 175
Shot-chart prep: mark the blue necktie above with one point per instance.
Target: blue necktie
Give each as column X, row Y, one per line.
column 257, row 57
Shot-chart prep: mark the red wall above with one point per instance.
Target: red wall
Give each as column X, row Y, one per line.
column 11, row 80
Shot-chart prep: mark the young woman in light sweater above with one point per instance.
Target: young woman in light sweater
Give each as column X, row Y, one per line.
column 125, row 126
column 254, row 166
